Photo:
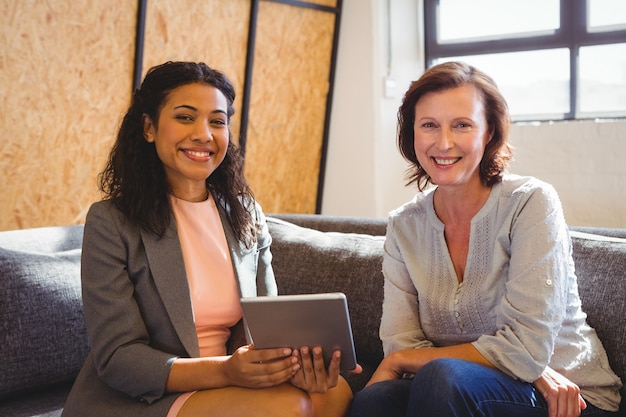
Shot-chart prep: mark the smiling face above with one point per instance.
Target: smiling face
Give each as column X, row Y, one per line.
column 191, row 137
column 450, row 135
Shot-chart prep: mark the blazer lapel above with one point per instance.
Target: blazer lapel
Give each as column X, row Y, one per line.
column 167, row 266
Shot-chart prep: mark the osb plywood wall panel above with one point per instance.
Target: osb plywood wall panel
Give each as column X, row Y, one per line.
column 330, row 3
column 211, row 31
column 65, row 81
column 288, row 103
column 65, row 78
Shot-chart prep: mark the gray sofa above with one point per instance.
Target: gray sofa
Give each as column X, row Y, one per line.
column 43, row 338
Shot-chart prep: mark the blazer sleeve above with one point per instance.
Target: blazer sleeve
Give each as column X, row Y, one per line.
column 118, row 336
column 253, row 264
column 266, row 282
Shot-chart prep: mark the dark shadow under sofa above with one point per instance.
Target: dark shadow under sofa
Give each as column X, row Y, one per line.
column 43, row 338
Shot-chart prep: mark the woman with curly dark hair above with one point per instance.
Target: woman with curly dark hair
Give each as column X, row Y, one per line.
column 166, row 257
column 481, row 313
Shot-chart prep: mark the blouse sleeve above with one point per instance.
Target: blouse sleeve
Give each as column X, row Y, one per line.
column 534, row 303
column 400, row 323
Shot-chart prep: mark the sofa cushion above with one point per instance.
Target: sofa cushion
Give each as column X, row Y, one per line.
column 310, row 261
column 601, row 270
column 42, row 337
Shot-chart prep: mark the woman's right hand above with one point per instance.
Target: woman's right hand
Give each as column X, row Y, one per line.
column 313, row 375
column 260, row 368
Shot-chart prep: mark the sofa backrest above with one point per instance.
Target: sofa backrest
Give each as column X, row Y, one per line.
column 374, row 226
column 43, row 339
column 311, row 261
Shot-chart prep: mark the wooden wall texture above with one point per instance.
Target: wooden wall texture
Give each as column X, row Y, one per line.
column 66, row 73
column 288, row 103
column 64, row 80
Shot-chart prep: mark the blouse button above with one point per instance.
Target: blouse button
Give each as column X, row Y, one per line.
column 549, row 282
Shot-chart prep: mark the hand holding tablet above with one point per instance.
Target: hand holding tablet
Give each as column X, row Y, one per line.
column 301, row 320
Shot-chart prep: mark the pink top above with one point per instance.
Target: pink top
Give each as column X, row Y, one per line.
column 212, row 282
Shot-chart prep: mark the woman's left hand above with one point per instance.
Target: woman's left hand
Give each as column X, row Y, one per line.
column 313, row 375
column 561, row 394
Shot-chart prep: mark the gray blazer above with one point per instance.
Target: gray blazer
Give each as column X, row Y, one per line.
column 138, row 310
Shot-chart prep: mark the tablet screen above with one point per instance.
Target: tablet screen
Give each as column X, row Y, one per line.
column 301, row 320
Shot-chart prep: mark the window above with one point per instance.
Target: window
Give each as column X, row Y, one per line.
column 552, row 59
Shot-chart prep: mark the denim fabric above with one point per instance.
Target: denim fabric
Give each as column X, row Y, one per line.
column 454, row 388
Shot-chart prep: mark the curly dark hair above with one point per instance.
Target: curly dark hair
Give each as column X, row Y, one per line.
column 442, row 77
column 134, row 177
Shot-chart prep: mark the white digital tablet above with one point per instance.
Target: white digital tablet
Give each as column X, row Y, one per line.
column 301, row 320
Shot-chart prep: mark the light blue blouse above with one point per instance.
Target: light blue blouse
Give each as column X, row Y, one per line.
column 518, row 303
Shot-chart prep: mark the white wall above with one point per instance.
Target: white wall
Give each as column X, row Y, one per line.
column 585, row 161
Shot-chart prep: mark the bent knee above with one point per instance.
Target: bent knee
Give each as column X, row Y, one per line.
column 447, row 369
column 294, row 403
column 388, row 398
column 279, row 401
column 447, row 378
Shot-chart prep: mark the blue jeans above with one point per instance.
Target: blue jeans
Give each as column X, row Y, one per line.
column 453, row 387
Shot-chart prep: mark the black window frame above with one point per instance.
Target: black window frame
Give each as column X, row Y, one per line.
column 572, row 34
